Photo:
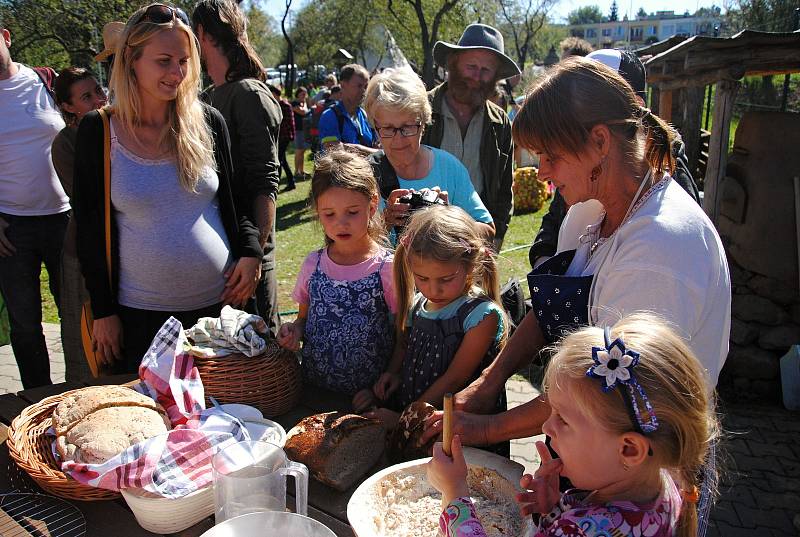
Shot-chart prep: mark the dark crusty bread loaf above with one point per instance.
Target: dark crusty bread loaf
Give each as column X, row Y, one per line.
column 405, row 437
column 337, row 448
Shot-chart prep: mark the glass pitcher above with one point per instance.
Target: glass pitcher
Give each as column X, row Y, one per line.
column 250, row 476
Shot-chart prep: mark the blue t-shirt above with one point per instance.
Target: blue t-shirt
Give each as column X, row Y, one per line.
column 449, row 174
column 329, row 127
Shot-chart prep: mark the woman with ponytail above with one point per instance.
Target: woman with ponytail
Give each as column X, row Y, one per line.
column 649, row 247
column 253, row 117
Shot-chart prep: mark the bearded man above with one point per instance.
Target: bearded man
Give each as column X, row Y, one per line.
column 471, row 127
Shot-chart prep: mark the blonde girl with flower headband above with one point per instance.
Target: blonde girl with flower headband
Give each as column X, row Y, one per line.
column 450, row 324
column 631, row 422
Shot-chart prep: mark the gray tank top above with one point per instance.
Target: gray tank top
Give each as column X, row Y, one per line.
column 173, row 249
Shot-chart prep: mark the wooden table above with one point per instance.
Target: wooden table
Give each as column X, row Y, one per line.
column 106, row 518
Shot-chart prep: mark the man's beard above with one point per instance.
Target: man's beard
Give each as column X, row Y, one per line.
column 461, row 91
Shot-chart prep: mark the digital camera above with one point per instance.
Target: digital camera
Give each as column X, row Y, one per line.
column 418, row 200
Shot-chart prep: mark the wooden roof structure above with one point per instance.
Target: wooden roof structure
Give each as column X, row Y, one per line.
column 684, row 70
column 701, row 60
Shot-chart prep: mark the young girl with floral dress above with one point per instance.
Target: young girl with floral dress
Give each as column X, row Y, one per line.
column 344, row 291
column 631, row 423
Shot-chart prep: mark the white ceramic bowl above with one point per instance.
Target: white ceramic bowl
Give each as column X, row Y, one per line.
column 362, row 519
column 165, row 515
column 270, row 523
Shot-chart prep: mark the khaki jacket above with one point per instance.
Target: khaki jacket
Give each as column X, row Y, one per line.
column 497, row 151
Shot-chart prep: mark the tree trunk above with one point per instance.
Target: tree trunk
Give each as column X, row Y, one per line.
column 288, row 85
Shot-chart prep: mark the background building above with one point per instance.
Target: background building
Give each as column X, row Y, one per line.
column 645, row 30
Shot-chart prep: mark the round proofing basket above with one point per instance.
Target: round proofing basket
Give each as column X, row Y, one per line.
column 271, row 381
column 30, row 447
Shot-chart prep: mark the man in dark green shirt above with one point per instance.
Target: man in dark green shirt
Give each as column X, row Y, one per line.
column 253, row 117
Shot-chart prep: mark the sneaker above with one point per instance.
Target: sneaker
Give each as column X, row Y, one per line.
column 290, row 186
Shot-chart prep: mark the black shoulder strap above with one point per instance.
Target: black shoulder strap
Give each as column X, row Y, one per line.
column 384, row 174
column 339, row 118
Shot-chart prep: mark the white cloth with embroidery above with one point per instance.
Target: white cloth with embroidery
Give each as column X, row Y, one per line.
column 234, row 331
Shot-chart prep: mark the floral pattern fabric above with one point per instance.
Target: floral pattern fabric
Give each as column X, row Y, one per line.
column 349, row 335
column 576, row 516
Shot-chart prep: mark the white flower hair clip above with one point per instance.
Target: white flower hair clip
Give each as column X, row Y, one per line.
column 614, row 366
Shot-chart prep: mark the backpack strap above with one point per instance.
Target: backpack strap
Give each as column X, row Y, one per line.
column 48, row 76
column 340, row 118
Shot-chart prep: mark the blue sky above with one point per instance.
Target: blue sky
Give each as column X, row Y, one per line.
column 277, row 7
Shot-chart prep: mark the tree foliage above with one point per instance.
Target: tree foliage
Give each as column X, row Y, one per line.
column 263, row 34
column 613, row 16
column 762, row 15
column 524, row 19
column 585, row 15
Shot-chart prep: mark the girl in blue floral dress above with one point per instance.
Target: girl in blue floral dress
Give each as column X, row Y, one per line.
column 344, row 291
column 631, row 422
column 453, row 326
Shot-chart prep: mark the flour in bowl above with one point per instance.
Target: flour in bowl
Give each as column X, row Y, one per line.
column 407, row 504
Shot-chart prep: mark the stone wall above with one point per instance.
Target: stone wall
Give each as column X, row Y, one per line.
column 765, row 322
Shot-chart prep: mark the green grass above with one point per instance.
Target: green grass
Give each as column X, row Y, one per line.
column 299, row 233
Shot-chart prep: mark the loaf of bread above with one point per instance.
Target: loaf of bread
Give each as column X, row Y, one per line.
column 408, row 433
column 338, row 448
column 95, row 424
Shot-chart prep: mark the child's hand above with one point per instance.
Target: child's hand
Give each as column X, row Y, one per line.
column 388, row 417
column 542, row 487
column 448, row 475
column 289, row 336
column 386, row 385
column 363, row 400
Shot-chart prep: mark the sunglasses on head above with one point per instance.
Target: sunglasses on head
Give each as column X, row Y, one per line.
column 163, row 14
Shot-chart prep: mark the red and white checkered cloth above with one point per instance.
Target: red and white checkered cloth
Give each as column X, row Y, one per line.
column 178, row 462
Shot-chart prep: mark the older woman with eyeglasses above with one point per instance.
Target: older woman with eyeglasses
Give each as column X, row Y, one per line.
column 397, row 106
column 183, row 242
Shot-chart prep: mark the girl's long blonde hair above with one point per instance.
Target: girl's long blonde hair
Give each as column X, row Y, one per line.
column 445, row 233
column 187, row 135
column 674, row 382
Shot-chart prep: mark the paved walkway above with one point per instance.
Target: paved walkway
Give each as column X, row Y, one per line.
column 760, row 489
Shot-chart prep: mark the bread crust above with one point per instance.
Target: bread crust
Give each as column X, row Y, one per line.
column 313, row 440
column 97, row 423
column 81, row 403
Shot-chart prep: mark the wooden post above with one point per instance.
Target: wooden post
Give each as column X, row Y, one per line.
column 724, row 97
column 691, row 120
column 665, row 105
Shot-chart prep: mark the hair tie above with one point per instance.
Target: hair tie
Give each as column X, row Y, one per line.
column 614, row 365
column 691, row 496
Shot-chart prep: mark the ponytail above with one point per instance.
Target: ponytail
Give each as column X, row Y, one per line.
column 403, row 286
column 660, row 137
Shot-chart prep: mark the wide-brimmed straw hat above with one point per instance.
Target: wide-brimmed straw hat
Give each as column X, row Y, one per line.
column 111, row 33
column 479, row 37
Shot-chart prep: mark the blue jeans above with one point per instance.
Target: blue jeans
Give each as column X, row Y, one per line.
column 37, row 239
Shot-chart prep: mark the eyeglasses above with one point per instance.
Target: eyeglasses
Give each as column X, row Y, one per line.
column 405, row 131
column 163, row 14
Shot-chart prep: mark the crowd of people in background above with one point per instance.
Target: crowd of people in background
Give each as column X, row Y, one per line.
column 158, row 199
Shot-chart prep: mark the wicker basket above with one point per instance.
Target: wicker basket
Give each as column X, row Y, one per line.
column 31, row 448
column 271, row 382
